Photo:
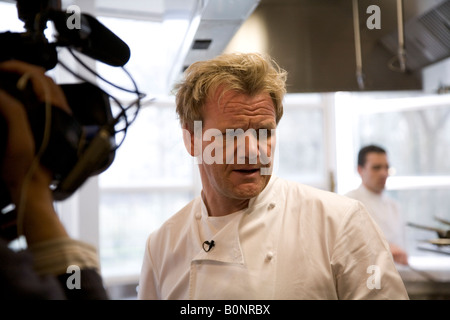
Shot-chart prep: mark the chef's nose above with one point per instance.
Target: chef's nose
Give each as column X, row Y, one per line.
column 248, row 148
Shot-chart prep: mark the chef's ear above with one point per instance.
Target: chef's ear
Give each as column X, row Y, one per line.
column 191, row 142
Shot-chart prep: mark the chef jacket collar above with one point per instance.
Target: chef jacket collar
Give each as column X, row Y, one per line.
column 227, row 246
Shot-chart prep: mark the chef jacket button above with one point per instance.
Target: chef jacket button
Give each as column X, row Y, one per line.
column 269, row 256
column 271, row 206
column 198, row 215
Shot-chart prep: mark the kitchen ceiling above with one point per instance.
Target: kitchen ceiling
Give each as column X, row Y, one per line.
column 174, row 33
column 212, row 23
column 314, row 40
column 427, row 37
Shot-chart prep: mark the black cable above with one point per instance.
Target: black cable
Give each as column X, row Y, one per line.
column 122, row 115
column 136, row 91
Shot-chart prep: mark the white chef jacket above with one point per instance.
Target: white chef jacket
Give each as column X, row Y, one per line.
column 292, row 242
column 385, row 211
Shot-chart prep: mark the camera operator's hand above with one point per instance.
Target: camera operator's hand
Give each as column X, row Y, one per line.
column 31, row 194
column 43, row 86
column 20, row 147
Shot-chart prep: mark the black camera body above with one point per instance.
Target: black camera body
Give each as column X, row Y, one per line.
column 79, row 145
column 70, row 136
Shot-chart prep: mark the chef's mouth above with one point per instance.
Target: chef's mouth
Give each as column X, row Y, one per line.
column 247, row 171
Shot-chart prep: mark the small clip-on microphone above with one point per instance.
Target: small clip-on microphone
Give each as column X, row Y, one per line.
column 208, row 245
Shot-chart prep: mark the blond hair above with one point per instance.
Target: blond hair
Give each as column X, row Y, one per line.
column 248, row 73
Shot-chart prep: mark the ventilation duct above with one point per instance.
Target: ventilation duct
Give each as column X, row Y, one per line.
column 314, row 41
column 218, row 22
column 427, row 38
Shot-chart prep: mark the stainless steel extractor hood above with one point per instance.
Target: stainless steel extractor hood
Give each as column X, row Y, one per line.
column 314, row 40
column 426, row 37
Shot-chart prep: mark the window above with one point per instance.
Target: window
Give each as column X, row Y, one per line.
column 9, row 20
column 414, row 128
column 152, row 176
column 301, row 140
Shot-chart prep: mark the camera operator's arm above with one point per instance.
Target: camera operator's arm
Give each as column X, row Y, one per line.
column 53, row 251
column 35, row 196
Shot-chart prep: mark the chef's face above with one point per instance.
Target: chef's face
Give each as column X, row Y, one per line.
column 375, row 171
column 241, row 167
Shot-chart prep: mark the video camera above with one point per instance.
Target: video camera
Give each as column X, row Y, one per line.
column 81, row 145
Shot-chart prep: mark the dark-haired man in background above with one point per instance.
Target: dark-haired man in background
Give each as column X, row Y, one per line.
column 373, row 167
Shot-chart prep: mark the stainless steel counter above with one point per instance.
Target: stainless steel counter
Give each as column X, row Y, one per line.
column 428, row 276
